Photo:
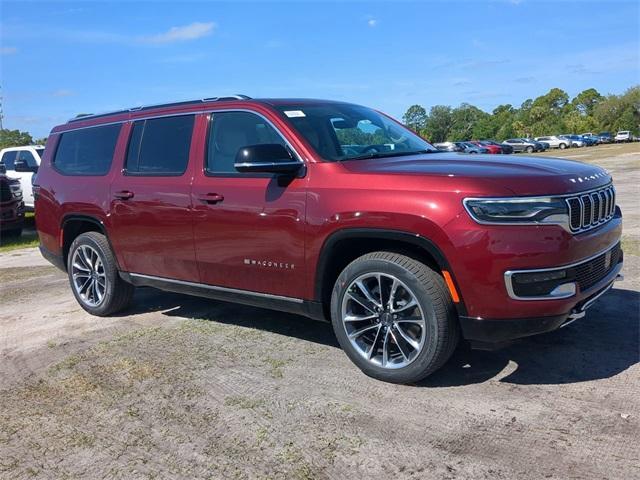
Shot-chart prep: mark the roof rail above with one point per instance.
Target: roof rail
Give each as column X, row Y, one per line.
column 159, row 105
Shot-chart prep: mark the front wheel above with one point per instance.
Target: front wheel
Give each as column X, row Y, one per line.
column 529, row 149
column 94, row 277
column 393, row 317
column 563, row 146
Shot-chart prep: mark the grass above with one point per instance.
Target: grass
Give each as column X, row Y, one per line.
column 26, row 240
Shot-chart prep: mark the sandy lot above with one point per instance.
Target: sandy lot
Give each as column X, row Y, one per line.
column 189, row 388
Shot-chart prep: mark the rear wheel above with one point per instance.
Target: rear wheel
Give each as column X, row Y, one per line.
column 529, row 149
column 94, row 278
column 393, row 317
column 563, row 146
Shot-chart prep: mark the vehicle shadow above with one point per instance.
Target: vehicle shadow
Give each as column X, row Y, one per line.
column 601, row 345
column 176, row 305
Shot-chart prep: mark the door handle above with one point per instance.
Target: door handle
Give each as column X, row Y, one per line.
column 211, row 198
column 123, row 195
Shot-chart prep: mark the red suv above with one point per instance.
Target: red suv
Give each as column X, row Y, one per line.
column 329, row 210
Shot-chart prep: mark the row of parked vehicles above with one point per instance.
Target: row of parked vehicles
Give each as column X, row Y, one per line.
column 537, row 144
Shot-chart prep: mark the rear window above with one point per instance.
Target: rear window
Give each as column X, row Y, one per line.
column 88, row 151
column 160, row 146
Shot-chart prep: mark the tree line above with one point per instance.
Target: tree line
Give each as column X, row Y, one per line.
column 551, row 114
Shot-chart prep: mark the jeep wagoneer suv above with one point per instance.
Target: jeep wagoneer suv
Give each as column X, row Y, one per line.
column 329, row 210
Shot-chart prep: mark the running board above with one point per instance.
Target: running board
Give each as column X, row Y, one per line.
column 297, row 306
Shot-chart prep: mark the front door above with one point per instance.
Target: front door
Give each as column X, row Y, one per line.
column 151, row 223
column 248, row 228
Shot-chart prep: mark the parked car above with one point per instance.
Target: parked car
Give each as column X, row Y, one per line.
column 468, row 147
column 555, row 142
column 545, row 146
column 522, row 145
column 591, row 140
column 506, row 149
column 448, row 147
column 623, row 136
column 11, row 206
column 605, row 137
column 493, row 149
column 575, row 140
column 403, row 248
column 22, row 163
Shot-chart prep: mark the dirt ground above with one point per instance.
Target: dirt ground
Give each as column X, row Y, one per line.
column 180, row 387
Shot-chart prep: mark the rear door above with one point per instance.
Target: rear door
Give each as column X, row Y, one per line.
column 248, row 228
column 151, row 200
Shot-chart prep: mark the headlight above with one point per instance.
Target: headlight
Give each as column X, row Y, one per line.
column 518, row 210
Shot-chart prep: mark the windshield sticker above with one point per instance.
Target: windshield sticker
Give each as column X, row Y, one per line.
column 294, row 113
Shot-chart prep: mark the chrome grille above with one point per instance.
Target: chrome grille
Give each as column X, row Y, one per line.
column 588, row 210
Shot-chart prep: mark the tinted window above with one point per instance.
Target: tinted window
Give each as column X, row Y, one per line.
column 229, row 132
column 160, row 146
column 27, row 156
column 88, row 151
column 9, row 159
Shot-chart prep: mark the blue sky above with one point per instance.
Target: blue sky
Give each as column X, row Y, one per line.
column 62, row 58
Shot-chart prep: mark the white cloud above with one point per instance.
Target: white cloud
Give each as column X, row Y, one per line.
column 8, row 50
column 192, row 31
column 372, row 22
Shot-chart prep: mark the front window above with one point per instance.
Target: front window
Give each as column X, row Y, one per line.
column 346, row 132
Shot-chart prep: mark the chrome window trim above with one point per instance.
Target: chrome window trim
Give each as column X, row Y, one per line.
column 219, row 289
column 509, row 274
column 213, row 111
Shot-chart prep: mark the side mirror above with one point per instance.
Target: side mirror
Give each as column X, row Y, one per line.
column 266, row 158
column 22, row 166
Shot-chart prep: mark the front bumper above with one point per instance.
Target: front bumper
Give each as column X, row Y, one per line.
column 12, row 216
column 488, row 333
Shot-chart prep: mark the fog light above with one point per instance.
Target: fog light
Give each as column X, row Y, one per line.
column 564, row 290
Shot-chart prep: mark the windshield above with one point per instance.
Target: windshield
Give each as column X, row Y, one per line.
column 344, row 132
column 40, row 152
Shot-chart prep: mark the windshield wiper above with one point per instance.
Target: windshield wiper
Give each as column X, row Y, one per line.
column 371, row 155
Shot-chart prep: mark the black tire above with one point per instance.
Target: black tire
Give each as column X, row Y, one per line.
column 529, row 149
column 428, row 287
column 562, row 146
column 118, row 293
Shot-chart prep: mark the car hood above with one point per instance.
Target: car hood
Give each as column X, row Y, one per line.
column 522, row 175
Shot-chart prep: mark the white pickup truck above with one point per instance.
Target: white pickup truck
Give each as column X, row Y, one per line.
column 22, row 163
column 623, row 136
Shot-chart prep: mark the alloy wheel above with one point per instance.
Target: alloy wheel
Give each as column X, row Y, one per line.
column 88, row 275
column 383, row 320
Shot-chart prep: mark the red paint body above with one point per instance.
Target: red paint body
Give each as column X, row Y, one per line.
column 165, row 230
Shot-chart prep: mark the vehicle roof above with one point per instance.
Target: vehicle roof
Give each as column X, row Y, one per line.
column 186, row 106
column 24, row 147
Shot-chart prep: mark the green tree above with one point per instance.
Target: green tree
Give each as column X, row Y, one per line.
column 438, row 124
column 586, row 101
column 415, row 118
column 464, row 120
column 14, row 138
